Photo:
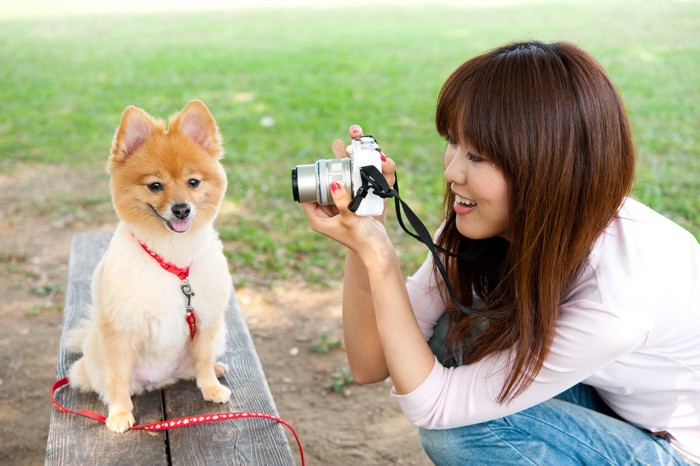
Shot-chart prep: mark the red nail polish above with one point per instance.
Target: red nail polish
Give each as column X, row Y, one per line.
column 335, row 186
column 381, row 154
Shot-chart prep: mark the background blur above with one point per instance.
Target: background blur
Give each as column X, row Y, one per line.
column 284, row 79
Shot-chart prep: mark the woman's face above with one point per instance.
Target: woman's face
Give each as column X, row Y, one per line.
column 481, row 193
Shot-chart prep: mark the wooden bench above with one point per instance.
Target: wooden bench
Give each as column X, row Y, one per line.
column 77, row 440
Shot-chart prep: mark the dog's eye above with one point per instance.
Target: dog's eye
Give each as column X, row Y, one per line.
column 155, row 187
column 193, row 183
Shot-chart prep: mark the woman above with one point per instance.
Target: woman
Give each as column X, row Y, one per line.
column 582, row 345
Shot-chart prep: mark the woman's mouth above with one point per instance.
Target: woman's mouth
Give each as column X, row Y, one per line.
column 463, row 205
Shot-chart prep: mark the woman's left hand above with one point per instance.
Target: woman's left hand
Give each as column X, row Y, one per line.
column 364, row 235
column 382, row 336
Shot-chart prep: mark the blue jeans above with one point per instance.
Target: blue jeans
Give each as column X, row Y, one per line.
column 573, row 428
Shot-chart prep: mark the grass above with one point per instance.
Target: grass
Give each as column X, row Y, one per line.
column 340, row 381
column 326, row 344
column 283, row 83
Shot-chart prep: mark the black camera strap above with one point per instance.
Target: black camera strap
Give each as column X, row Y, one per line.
column 373, row 179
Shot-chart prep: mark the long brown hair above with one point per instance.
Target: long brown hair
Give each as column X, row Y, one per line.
column 549, row 117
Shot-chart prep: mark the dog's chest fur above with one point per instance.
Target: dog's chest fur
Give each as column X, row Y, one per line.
column 143, row 300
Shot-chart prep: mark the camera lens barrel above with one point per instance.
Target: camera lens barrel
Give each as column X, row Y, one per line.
column 304, row 183
column 313, row 182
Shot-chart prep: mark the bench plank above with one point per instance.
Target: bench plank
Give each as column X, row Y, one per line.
column 76, row 439
column 79, row 440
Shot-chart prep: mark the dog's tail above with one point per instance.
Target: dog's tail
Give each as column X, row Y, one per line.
column 76, row 337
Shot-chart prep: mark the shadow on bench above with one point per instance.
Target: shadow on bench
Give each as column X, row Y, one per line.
column 75, row 440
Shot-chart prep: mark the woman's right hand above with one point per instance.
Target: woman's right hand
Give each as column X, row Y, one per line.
column 382, row 336
column 364, row 235
column 339, row 148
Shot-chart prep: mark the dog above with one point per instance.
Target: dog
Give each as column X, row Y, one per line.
column 160, row 292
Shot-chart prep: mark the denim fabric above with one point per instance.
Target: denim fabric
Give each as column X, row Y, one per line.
column 574, row 428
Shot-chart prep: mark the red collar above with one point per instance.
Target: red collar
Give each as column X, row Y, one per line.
column 181, row 273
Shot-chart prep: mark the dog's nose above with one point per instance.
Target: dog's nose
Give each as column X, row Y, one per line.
column 181, row 211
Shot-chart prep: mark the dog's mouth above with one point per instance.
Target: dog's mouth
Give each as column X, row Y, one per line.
column 178, row 226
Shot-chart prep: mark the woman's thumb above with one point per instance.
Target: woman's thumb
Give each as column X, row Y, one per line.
column 341, row 198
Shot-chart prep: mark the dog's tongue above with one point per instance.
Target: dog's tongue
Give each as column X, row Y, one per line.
column 180, row 226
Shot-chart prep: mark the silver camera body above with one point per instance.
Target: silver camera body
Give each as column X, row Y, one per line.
column 312, row 183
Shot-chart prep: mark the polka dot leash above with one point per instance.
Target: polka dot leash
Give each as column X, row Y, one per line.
column 176, row 423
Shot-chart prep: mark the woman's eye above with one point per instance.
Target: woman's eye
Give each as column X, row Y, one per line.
column 474, row 158
column 193, row 183
column 155, row 187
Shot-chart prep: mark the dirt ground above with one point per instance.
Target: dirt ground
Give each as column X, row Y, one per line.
column 42, row 207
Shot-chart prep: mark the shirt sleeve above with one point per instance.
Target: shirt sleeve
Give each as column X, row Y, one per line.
column 425, row 297
column 587, row 337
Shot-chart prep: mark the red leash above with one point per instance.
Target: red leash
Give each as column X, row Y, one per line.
column 177, row 422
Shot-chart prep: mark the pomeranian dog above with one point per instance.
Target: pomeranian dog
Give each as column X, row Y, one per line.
column 161, row 290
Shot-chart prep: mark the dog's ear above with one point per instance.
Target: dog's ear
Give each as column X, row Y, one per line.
column 197, row 123
column 134, row 130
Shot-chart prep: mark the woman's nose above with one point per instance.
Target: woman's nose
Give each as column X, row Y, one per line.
column 455, row 171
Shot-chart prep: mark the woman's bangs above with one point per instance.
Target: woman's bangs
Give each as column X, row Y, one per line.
column 466, row 113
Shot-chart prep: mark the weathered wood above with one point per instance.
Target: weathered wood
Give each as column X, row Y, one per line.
column 79, row 440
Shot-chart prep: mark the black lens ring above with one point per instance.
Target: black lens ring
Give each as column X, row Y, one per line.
column 295, row 185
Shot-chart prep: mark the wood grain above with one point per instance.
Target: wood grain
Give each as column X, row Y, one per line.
column 78, row 440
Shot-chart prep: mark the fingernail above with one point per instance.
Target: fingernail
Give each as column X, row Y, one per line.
column 381, row 154
column 335, row 186
column 355, row 129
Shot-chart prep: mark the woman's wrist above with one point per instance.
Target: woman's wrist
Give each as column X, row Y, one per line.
column 379, row 261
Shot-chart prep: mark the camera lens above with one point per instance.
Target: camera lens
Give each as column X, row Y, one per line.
column 312, row 182
column 295, row 184
column 304, row 183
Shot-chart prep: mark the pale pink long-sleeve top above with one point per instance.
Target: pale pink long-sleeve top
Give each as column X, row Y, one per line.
column 630, row 327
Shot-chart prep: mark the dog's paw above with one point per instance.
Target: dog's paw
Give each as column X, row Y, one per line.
column 120, row 421
column 220, row 369
column 217, row 393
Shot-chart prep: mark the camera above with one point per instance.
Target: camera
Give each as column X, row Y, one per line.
column 312, row 183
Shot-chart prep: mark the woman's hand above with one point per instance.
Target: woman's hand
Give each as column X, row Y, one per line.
column 388, row 167
column 364, row 235
column 382, row 336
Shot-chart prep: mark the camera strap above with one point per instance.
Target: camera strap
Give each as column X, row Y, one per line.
column 373, row 179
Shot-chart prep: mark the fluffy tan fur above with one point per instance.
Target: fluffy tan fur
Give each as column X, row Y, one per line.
column 167, row 187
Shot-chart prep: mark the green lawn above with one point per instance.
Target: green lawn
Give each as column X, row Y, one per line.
column 307, row 73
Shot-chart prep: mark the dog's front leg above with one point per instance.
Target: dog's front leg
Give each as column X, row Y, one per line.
column 206, row 367
column 119, row 360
